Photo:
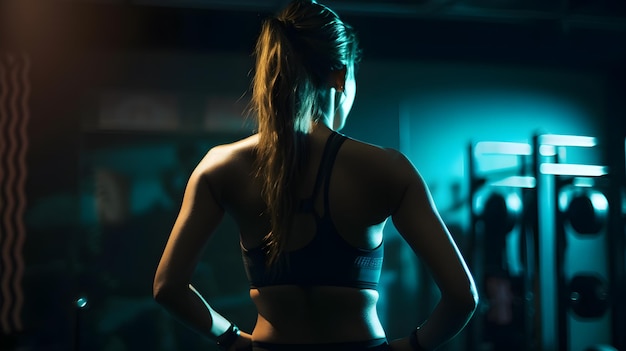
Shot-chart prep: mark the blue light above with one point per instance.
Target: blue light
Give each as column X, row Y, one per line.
column 568, row 140
column 82, row 302
column 516, row 182
column 573, row 169
column 564, row 199
column 547, row 150
column 599, row 201
column 514, row 202
column 506, row 148
column 583, row 182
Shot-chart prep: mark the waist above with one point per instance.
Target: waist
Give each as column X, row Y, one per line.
column 379, row 344
column 292, row 314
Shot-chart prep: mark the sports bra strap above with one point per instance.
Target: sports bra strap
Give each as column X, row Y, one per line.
column 334, row 145
column 324, row 170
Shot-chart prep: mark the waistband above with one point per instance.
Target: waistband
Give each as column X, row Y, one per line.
column 367, row 345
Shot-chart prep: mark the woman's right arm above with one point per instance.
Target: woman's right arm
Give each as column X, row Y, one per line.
column 417, row 220
column 199, row 215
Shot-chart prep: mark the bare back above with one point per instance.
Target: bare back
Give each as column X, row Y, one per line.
column 362, row 195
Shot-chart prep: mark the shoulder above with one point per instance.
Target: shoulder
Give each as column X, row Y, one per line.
column 224, row 168
column 385, row 172
column 225, row 157
column 390, row 160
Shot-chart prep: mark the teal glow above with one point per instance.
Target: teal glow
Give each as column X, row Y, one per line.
column 82, row 302
column 573, row 169
column 568, row 140
column 584, row 182
column 436, row 125
column 516, row 182
column 514, row 202
column 547, row 266
column 481, row 197
column 444, row 122
column 564, row 199
column 547, row 150
column 446, row 107
column 507, row 148
column 599, row 201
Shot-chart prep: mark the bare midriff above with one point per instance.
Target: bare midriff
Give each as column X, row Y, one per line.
column 318, row 314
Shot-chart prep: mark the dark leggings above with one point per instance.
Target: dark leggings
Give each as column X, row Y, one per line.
column 369, row 345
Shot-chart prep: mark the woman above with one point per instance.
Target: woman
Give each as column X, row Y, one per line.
column 310, row 204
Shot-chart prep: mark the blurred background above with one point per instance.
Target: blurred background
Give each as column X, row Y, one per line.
column 514, row 111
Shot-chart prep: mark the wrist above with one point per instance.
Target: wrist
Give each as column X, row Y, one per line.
column 228, row 338
column 414, row 341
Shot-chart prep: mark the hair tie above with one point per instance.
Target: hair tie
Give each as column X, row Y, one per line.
column 287, row 27
column 309, row 56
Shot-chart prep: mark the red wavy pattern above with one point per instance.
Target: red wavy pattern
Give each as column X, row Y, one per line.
column 14, row 118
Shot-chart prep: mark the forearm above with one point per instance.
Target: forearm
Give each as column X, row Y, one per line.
column 446, row 320
column 188, row 306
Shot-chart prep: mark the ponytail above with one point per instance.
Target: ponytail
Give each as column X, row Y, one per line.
column 295, row 52
column 282, row 125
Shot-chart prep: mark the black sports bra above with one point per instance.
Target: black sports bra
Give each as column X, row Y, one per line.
column 328, row 259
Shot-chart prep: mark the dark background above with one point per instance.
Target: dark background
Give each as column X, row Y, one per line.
column 423, row 61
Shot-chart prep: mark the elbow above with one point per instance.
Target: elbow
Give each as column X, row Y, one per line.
column 472, row 303
column 163, row 292
column 471, row 299
column 467, row 299
column 464, row 303
column 159, row 292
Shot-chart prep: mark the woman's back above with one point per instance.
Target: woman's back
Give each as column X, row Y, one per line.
column 364, row 188
column 362, row 193
column 310, row 206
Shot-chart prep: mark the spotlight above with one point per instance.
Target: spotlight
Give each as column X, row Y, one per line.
column 82, row 303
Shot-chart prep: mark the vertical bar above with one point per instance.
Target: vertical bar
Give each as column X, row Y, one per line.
column 529, row 249
column 475, row 336
column 617, row 245
column 561, row 285
column 546, row 251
